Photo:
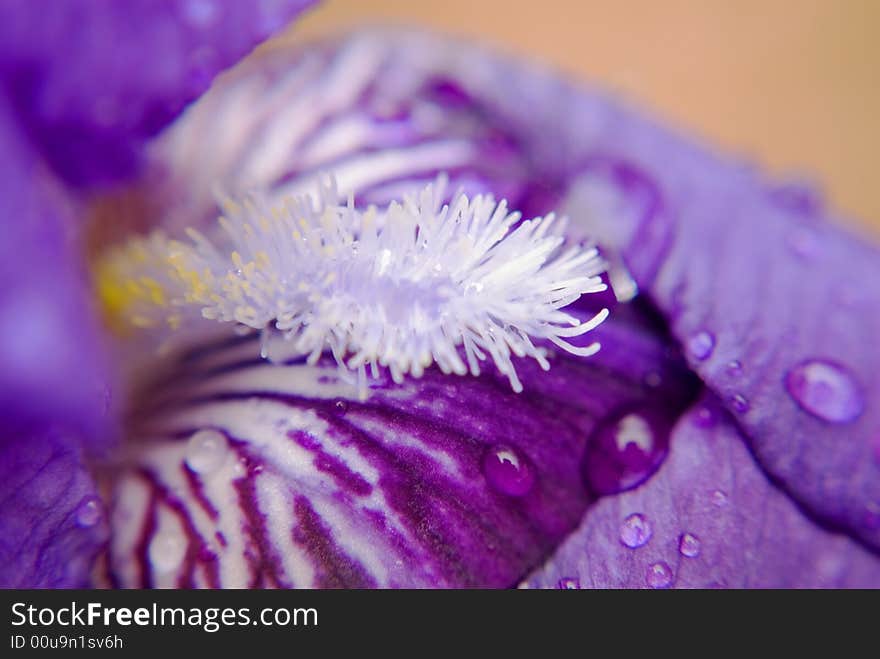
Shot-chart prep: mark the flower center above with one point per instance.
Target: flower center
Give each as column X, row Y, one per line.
column 417, row 283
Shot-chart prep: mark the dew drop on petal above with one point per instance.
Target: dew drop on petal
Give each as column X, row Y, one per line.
column 89, row 512
column 740, row 403
column 206, row 451
column 689, row 545
column 636, row 531
column 704, row 417
column 507, row 471
column 568, row 583
column 701, row 345
column 719, row 498
column 341, row 407
column 626, row 448
column 825, row 390
column 659, row 575
column 166, row 552
column 733, row 368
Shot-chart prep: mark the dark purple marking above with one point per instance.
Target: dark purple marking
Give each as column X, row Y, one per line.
column 334, row 568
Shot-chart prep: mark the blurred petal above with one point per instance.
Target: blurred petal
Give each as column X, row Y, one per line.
column 53, row 368
column 54, row 382
column 708, row 519
column 92, row 81
column 84, row 84
column 243, row 473
column 286, row 117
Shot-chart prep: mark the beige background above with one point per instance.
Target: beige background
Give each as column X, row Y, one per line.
column 793, row 83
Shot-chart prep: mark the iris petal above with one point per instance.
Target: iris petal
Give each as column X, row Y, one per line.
column 709, row 518
column 70, row 115
column 53, row 522
column 777, row 308
column 93, row 81
column 239, row 472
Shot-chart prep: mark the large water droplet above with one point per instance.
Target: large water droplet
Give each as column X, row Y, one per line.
column 568, row 583
column 341, row 407
column 626, row 448
column 825, row 390
column 89, row 512
column 689, row 545
column 659, row 575
column 507, row 471
column 206, row 451
column 636, row 531
column 166, row 552
column 701, row 345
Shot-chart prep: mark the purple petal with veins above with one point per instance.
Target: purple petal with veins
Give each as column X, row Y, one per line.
column 243, row 473
column 773, row 306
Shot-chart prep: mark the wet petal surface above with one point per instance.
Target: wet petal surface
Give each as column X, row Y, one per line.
column 709, row 518
column 773, row 306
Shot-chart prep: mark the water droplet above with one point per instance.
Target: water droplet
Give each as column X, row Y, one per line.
column 626, row 448
column 206, row 451
column 89, row 512
column 341, row 407
column 507, row 472
column 166, row 552
column 740, row 403
column 701, row 345
column 689, row 545
column 659, row 575
column 719, row 498
column 825, row 390
column 734, row 368
column 705, row 417
column 568, row 583
column 636, row 531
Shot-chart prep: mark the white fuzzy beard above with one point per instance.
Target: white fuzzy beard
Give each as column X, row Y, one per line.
column 416, row 283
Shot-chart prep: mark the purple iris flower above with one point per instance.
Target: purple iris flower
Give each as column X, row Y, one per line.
column 723, row 436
